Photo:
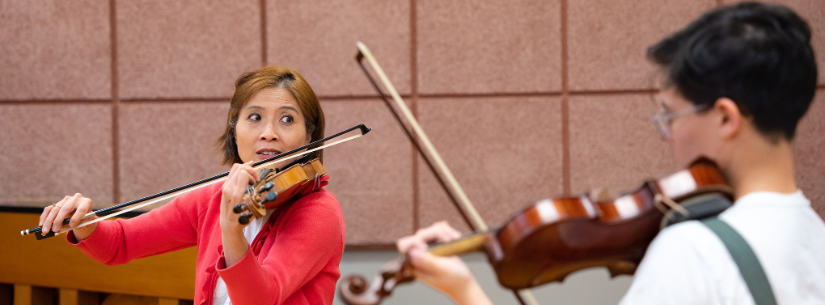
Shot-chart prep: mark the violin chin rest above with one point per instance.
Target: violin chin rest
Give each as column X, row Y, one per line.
column 621, row 267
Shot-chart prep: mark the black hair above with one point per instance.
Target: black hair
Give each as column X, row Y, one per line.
column 757, row 55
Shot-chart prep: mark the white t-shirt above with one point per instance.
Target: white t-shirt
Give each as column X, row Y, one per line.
column 688, row 264
column 221, row 295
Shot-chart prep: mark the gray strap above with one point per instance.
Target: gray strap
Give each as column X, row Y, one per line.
column 745, row 259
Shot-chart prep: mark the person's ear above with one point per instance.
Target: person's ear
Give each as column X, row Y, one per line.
column 731, row 119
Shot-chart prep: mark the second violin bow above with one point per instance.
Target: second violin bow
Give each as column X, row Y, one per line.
column 431, row 156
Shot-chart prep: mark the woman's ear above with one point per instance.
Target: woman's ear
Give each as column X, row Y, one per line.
column 731, row 118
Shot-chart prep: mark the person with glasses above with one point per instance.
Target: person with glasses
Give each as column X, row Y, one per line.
column 734, row 85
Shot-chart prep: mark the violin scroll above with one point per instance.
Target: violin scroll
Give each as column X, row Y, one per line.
column 355, row 290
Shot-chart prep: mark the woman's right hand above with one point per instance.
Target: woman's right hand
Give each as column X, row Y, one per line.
column 52, row 218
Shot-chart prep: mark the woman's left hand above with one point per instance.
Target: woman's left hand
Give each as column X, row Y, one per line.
column 235, row 245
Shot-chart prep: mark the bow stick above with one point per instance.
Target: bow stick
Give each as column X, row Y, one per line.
column 419, row 138
column 145, row 201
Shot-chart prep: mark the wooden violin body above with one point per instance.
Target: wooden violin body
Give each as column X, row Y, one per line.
column 554, row 237
column 277, row 186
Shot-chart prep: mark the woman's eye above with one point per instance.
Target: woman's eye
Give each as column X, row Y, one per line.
column 254, row 117
column 287, row 119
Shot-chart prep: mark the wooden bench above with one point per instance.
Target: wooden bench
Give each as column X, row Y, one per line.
column 40, row 271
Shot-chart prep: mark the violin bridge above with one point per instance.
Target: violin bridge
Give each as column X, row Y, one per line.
column 263, row 174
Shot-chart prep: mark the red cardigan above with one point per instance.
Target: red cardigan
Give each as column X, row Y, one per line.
column 293, row 260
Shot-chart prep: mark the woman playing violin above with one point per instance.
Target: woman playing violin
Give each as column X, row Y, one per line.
column 736, row 83
column 289, row 256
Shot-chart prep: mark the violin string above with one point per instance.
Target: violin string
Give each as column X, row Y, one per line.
column 178, row 193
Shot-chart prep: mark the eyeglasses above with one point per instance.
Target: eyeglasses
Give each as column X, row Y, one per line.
column 663, row 120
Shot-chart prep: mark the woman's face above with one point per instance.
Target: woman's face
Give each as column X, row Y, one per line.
column 269, row 124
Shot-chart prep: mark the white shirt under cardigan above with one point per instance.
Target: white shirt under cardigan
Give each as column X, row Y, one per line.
column 221, row 296
column 688, row 264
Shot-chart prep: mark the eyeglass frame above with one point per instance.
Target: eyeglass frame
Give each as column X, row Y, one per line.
column 663, row 120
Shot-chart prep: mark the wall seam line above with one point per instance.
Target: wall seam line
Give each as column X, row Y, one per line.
column 55, row 102
column 264, row 45
column 481, row 95
column 565, row 102
column 175, row 100
column 115, row 103
column 348, row 97
column 414, row 88
column 611, row 92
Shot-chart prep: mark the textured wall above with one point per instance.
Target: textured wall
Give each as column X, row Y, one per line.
column 524, row 99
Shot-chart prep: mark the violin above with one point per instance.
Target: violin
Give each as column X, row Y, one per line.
column 554, row 237
column 277, row 186
column 285, row 184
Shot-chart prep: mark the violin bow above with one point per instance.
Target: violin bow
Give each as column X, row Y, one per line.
column 148, row 200
column 445, row 177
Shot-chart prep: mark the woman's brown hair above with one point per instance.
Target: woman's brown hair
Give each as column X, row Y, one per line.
column 253, row 82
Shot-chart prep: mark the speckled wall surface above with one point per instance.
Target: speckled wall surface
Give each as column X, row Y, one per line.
column 524, row 99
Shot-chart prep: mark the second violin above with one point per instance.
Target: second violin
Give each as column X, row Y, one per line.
column 554, row 237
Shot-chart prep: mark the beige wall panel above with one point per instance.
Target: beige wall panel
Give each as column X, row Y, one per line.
column 608, row 39
column 505, row 152
column 185, row 49
column 613, row 143
column 55, row 50
column 169, row 144
column 489, row 46
column 54, row 150
column 810, row 162
column 371, row 176
column 317, row 38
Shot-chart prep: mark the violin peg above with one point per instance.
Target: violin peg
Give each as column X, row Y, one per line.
column 238, row 208
column 244, row 219
column 269, row 197
column 268, row 186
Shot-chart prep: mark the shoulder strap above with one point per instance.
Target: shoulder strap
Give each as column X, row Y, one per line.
column 745, row 259
column 698, row 207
